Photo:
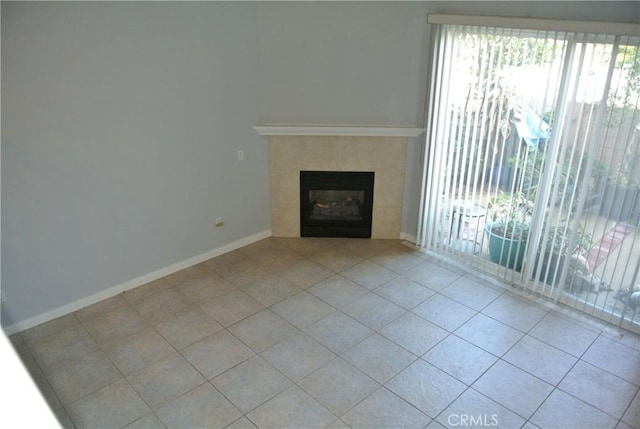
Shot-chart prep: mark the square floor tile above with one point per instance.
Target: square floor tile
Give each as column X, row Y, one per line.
column 414, row 333
column 101, row 308
column 599, row 388
column 138, row 350
column 489, row 334
column 473, row 406
column 338, row 332
column 63, row 418
column 563, row 334
column 515, row 312
column 118, row 323
column 426, row 387
column 62, row 347
column 164, row 305
column 205, row 288
column 83, row 376
column 379, row 358
column 292, row 408
column 186, row 274
column 368, row 248
column 203, row 407
column 251, row 383
column 632, row 415
column 46, row 390
column 276, row 259
column 337, row 291
column 24, row 353
column 307, row 245
column 266, row 245
column 232, row 307
column 616, row 358
column 165, row 380
column 306, row 273
column 415, row 306
column 224, row 260
column 368, row 274
column 139, row 293
column 562, row 410
column 302, row 309
column 384, row 409
column 297, row 356
column 517, row 390
column 262, row 330
column 112, row 406
column 242, row 423
column 622, row 336
column 187, row 328
column 460, row 359
column 338, row 386
column 444, row 312
column 397, row 259
column 338, row 424
column 150, row 421
column 540, row 359
column 471, row 293
column 217, row 353
column 404, row 292
column 242, row 272
column 373, row 311
column 433, row 276
column 336, row 259
column 271, row 289
column 51, row 327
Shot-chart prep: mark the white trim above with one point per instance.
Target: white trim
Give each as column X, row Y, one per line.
column 131, row 284
column 408, row 237
column 331, row 130
column 592, row 27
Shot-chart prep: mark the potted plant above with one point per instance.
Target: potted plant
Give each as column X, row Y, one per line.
column 508, row 229
column 557, row 251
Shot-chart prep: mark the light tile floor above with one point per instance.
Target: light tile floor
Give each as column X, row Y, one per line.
column 305, row 333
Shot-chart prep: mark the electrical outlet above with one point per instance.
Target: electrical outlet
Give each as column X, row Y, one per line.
column 219, row 222
column 2, row 297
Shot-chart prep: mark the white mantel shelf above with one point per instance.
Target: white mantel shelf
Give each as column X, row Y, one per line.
column 331, row 130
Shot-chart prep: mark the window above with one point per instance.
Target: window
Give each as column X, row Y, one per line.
column 532, row 160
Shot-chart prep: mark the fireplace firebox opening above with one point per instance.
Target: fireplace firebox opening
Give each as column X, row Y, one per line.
column 336, row 203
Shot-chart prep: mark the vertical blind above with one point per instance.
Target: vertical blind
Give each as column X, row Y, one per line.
column 533, row 134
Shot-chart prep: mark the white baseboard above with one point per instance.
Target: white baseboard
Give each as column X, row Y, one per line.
column 408, row 237
column 131, row 284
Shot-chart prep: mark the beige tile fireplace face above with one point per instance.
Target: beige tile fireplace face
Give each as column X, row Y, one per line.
column 385, row 156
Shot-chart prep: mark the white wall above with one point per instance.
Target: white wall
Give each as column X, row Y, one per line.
column 122, row 122
column 121, row 126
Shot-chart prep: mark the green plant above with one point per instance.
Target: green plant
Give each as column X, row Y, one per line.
column 510, row 214
column 627, row 175
column 558, row 240
column 558, row 251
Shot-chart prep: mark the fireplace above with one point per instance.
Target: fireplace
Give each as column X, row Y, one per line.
column 336, row 203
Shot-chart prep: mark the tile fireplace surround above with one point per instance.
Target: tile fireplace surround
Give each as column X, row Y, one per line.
column 289, row 154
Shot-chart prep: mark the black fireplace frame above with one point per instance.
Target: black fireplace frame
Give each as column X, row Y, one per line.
column 336, row 180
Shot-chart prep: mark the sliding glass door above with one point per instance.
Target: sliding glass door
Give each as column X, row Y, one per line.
column 532, row 163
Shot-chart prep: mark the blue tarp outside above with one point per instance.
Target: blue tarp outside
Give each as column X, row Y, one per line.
column 531, row 128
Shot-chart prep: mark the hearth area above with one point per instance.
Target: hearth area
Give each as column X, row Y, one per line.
column 336, row 203
column 291, row 154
